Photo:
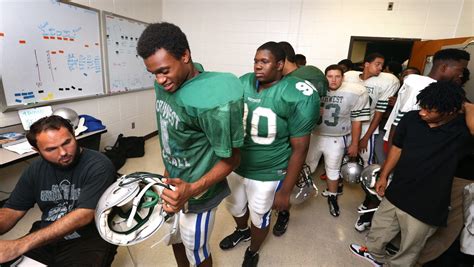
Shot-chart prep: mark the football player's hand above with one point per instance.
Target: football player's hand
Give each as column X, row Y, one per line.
column 175, row 200
column 281, row 201
column 380, row 186
column 9, row 250
column 363, row 143
column 353, row 150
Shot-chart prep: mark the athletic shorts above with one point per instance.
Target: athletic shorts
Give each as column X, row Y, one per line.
column 194, row 231
column 332, row 148
column 258, row 196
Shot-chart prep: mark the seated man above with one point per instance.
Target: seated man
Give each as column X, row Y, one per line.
column 66, row 183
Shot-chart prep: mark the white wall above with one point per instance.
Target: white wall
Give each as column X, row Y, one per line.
column 224, row 34
column 117, row 112
column 466, row 20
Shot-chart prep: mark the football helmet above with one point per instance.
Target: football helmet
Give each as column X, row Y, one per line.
column 369, row 176
column 351, row 169
column 130, row 210
column 304, row 188
column 68, row 114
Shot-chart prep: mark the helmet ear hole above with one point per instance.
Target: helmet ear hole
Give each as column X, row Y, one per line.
column 351, row 169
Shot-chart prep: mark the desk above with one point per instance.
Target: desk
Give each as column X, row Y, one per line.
column 89, row 140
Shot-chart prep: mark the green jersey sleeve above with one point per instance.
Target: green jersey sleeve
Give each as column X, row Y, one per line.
column 223, row 127
column 303, row 100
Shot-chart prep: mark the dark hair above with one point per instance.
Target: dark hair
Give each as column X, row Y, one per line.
column 451, row 54
column 274, row 48
column 289, row 51
column 52, row 122
column 334, row 67
column 346, row 62
column 465, row 76
column 444, row 96
column 394, row 67
column 162, row 35
column 372, row 56
column 300, row 58
column 415, row 69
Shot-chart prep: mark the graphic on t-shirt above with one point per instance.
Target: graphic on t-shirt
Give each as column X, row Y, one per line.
column 61, row 194
column 169, row 118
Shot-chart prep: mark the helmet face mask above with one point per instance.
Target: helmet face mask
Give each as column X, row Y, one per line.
column 304, row 187
column 130, row 210
column 369, row 177
column 351, row 170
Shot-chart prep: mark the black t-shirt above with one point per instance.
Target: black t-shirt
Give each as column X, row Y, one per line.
column 57, row 191
column 422, row 180
column 465, row 168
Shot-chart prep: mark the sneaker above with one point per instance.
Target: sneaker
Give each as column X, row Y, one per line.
column 361, row 225
column 282, row 223
column 362, row 252
column 361, row 207
column 391, row 249
column 250, row 258
column 333, row 206
column 236, row 237
column 340, row 188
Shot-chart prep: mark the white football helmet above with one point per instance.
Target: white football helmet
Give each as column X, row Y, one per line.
column 369, row 176
column 130, row 210
column 304, row 188
column 68, row 114
column 350, row 169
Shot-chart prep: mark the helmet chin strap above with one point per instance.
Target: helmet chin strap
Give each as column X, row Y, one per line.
column 136, row 202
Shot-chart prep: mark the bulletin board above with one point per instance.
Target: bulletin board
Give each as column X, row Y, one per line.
column 125, row 68
column 49, row 51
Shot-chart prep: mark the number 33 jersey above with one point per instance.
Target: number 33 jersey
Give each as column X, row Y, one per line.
column 348, row 103
column 289, row 108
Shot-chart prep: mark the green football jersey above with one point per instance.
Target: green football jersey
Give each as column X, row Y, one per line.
column 198, row 125
column 314, row 76
column 272, row 116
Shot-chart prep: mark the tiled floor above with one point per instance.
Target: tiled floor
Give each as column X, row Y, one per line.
column 313, row 238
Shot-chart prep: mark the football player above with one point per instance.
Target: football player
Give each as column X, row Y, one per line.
column 199, row 117
column 280, row 113
column 316, row 77
column 345, row 107
column 380, row 87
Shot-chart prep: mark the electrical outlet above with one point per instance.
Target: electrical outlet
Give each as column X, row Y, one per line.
column 133, row 125
column 390, row 6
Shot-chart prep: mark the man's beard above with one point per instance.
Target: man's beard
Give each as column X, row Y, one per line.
column 73, row 163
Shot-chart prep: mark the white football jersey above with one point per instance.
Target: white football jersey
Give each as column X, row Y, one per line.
column 350, row 102
column 406, row 100
column 380, row 88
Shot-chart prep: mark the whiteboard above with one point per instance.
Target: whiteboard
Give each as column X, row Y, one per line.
column 125, row 68
column 49, row 51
